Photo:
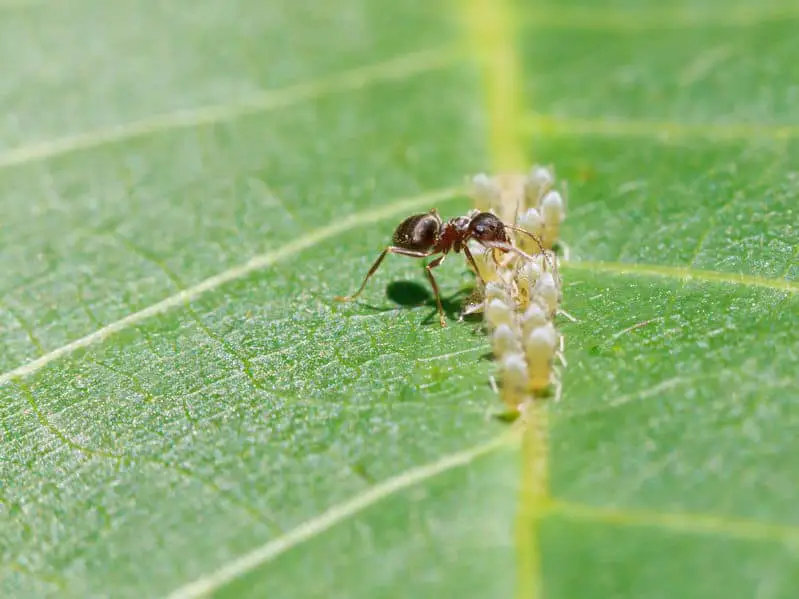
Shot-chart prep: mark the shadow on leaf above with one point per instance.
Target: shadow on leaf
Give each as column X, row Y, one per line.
column 408, row 294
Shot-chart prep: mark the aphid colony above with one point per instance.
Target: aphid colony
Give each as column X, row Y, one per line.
column 520, row 297
column 508, row 242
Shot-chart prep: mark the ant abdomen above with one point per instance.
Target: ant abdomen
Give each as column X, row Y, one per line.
column 418, row 232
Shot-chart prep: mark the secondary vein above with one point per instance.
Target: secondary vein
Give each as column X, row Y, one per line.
column 304, row 532
column 256, row 263
column 397, row 68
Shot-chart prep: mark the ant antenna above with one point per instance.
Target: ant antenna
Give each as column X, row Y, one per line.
column 471, row 259
column 537, row 241
column 507, row 247
column 526, row 232
column 518, row 206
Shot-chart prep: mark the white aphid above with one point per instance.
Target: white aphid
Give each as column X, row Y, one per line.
column 485, row 190
column 539, row 348
column 541, row 342
column 527, row 276
column 531, row 270
column 495, row 290
column 543, row 175
column 546, row 288
column 487, row 268
column 538, row 182
column 514, row 373
column 504, row 340
column 535, row 316
column 552, row 209
column 498, row 312
column 531, row 220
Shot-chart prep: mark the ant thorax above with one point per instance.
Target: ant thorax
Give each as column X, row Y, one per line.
column 449, row 238
column 454, row 233
column 461, row 224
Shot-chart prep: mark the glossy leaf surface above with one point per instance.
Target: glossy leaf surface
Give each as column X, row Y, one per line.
column 186, row 410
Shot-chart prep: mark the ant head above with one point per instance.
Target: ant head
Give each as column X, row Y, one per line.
column 487, row 227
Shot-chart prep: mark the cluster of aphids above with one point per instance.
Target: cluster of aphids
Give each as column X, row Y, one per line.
column 508, row 241
column 519, row 293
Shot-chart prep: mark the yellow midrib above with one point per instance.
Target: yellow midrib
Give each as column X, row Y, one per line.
column 490, row 30
column 492, row 36
column 490, row 27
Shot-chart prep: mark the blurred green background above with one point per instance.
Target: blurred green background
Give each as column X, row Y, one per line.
column 186, row 185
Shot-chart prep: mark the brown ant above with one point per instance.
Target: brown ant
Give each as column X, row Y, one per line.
column 424, row 235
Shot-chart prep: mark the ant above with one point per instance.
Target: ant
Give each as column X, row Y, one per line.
column 425, row 235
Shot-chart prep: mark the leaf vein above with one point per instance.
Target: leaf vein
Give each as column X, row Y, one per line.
column 256, row 514
column 316, row 526
column 256, row 263
column 492, row 31
column 557, row 126
column 684, row 522
column 666, row 385
column 47, row 578
column 28, row 329
column 201, row 325
column 684, row 273
column 57, row 432
column 395, row 69
column 642, row 20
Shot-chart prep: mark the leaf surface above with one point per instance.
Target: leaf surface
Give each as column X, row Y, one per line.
column 184, row 407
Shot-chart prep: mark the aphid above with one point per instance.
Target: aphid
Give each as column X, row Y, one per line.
column 530, row 220
column 553, row 213
column 425, row 235
column 504, row 341
column 547, row 289
column 514, row 376
column 498, row 312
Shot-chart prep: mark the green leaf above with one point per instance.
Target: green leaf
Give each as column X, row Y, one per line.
column 186, row 410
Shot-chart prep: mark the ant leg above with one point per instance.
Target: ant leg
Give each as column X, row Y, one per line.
column 512, row 248
column 429, row 270
column 470, row 258
column 389, row 250
column 506, row 247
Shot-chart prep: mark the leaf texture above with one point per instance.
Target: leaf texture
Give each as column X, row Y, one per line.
column 186, row 411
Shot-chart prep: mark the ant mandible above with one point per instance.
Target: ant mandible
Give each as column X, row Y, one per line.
column 425, row 235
